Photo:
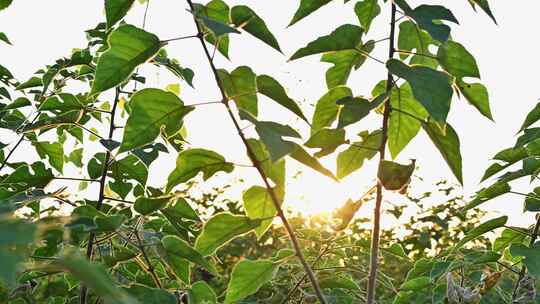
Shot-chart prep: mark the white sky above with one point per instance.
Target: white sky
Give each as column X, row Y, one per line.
column 43, row 31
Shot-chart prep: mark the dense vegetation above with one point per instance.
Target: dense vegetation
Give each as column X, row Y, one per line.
column 108, row 236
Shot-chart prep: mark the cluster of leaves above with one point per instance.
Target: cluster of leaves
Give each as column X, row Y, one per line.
column 125, row 241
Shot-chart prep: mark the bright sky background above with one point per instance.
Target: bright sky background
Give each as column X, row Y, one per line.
column 43, row 31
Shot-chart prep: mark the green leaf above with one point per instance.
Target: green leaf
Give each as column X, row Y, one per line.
column 416, row 284
column 487, row 194
column 366, row 11
column 477, row 95
column 129, row 168
column 109, row 223
column 413, row 38
column 176, row 246
column 190, row 162
column 247, row 277
column 394, row 176
column 212, row 19
column 457, row 61
column 62, row 102
column 430, row 87
column 353, row 158
column 427, row 17
column 274, row 170
column 328, row 140
column 271, row 134
column 481, row 230
column 4, row 38
column 344, row 61
column 356, row 108
column 269, row 87
column 532, row 117
column 307, row 7
column 94, row 276
column 448, row 144
column 305, row 158
column 152, row 110
column 345, row 37
column 15, row 235
column 219, row 11
column 148, row 295
column 25, row 177
column 245, row 18
column 4, row 4
column 222, row 228
column 484, row 5
column 115, row 10
column 201, row 293
column 148, row 205
column 402, row 128
column 259, row 205
column 241, row 86
column 326, row 110
column 507, row 237
column 129, row 48
column 531, row 257
column 30, row 83
column 339, row 281
column 181, row 210
column 53, row 151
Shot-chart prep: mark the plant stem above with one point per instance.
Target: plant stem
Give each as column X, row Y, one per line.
column 21, row 139
column 150, row 267
column 375, row 235
column 534, row 236
column 257, row 165
column 90, row 246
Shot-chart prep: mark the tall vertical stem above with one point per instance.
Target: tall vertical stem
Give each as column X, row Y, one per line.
column 375, row 234
column 258, row 166
column 91, row 239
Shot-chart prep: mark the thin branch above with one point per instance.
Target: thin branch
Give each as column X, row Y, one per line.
column 204, row 103
column 77, row 179
column 89, row 131
column 409, row 114
column 150, row 267
column 180, row 38
column 118, row 200
column 375, row 235
column 90, row 246
column 98, row 110
column 21, row 139
column 256, row 163
column 369, row 56
column 534, row 236
column 418, row 54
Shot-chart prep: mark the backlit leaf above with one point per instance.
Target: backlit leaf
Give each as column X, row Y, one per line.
column 190, row 162
column 151, row 111
column 222, row 228
column 448, row 144
column 247, row 277
column 345, row 37
column 129, row 48
column 245, row 18
column 115, row 10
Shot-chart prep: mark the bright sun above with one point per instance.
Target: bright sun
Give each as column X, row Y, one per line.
column 313, row 193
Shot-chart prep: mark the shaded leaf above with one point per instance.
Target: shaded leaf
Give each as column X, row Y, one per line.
column 449, row 146
column 488, row 193
column 307, row 7
column 366, row 11
column 457, row 61
column 353, row 158
column 176, row 246
column 269, row 87
column 245, row 18
column 201, row 293
column 430, row 87
column 345, row 37
column 148, row 205
column 326, row 110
